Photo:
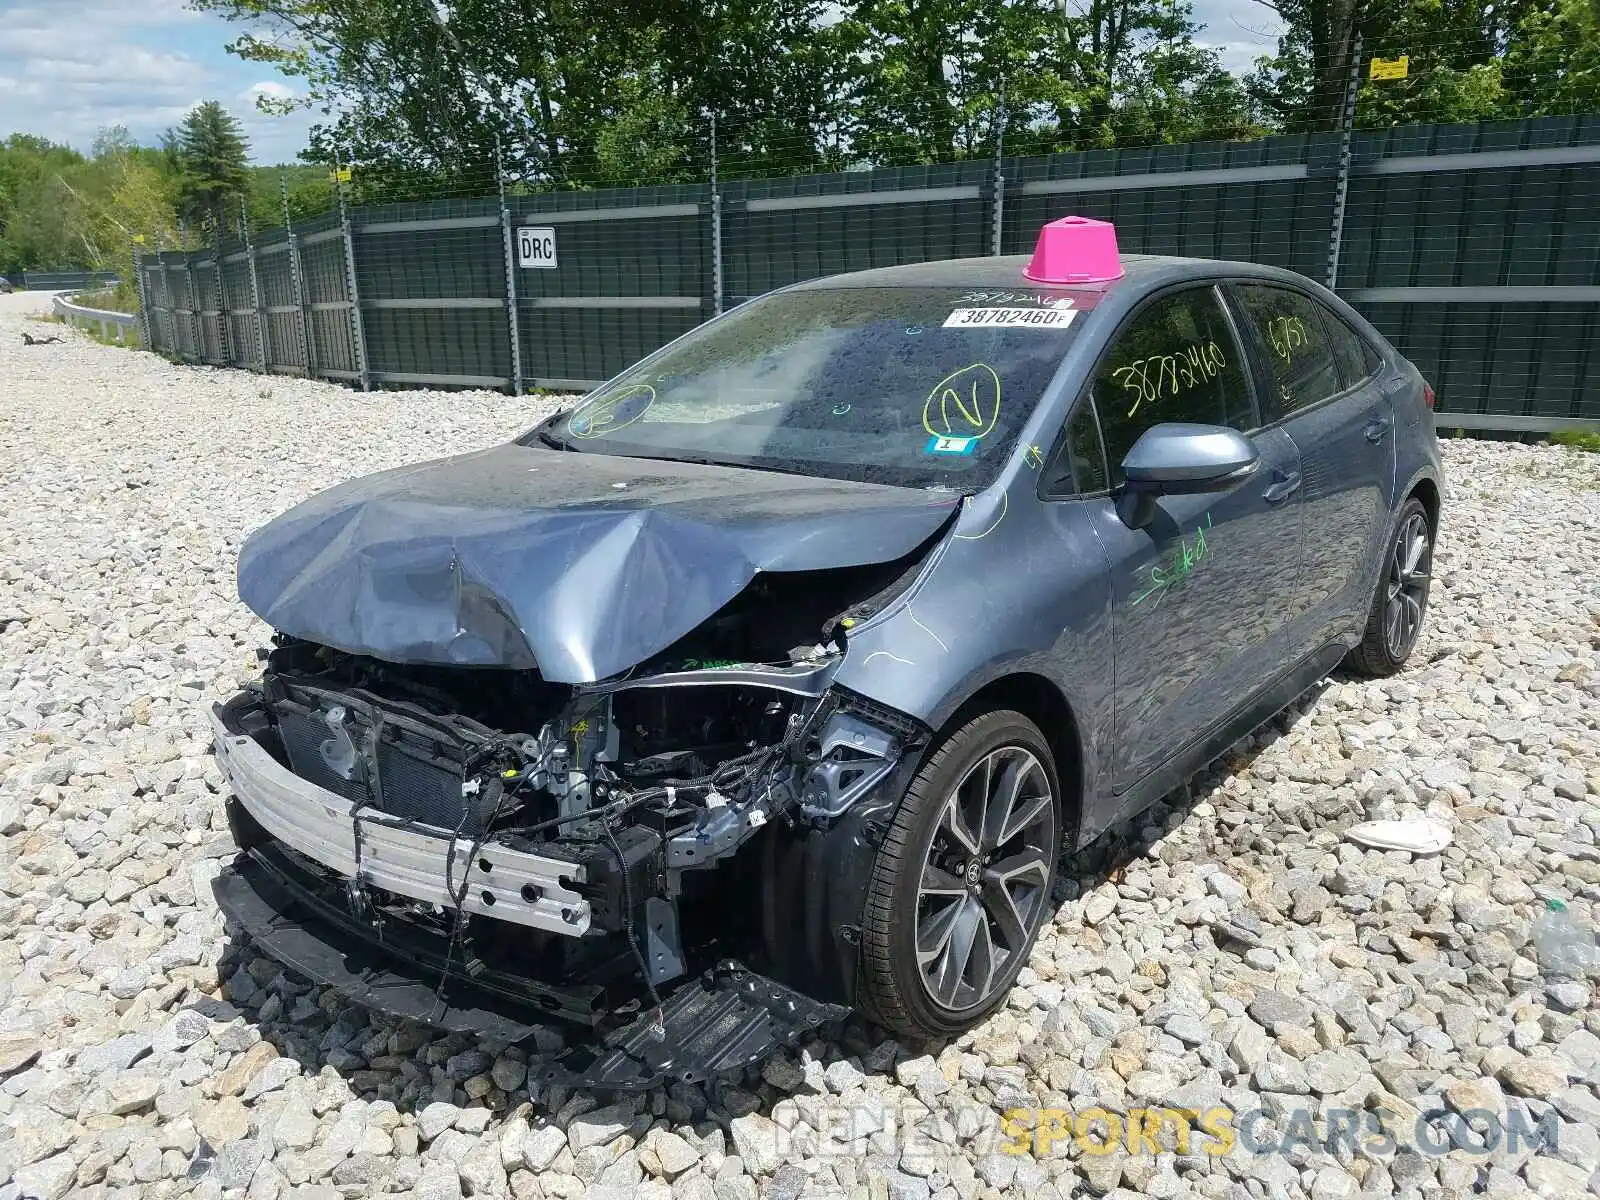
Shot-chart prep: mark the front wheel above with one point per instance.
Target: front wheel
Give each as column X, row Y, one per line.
column 1402, row 596
column 962, row 881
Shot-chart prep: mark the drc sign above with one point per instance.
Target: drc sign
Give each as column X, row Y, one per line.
column 536, row 246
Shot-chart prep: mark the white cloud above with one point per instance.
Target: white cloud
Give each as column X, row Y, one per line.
column 70, row 70
column 1241, row 31
column 272, row 89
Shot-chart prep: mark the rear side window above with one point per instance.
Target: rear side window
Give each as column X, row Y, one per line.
column 1175, row 361
column 1299, row 358
column 1357, row 360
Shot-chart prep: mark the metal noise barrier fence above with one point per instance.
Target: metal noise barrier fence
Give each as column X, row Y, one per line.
column 46, row 281
column 1475, row 248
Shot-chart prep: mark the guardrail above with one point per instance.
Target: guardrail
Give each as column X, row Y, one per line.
column 79, row 316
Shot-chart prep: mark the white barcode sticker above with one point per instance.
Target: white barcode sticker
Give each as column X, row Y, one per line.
column 1009, row 318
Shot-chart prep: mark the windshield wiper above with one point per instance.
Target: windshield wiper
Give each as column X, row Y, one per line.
column 701, row 460
column 549, row 439
column 546, row 438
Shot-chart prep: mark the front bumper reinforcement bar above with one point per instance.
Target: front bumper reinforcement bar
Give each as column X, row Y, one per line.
column 398, row 856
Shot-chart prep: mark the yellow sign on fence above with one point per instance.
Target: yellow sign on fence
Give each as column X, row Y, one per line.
column 340, row 175
column 1389, row 68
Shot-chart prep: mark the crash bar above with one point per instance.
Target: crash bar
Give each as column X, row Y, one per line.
column 433, row 223
column 1508, row 424
column 1483, row 160
column 483, row 381
column 1481, row 294
column 613, row 301
column 632, row 212
column 855, row 199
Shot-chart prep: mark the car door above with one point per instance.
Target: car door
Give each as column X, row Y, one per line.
column 1198, row 596
column 1321, row 387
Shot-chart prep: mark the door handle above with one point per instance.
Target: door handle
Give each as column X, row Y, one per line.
column 1377, row 429
column 1284, row 485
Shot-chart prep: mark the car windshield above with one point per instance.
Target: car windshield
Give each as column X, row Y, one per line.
column 916, row 387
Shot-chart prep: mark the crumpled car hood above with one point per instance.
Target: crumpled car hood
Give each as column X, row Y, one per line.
column 579, row 565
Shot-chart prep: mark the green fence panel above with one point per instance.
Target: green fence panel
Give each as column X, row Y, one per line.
column 326, row 294
column 1464, row 208
column 209, row 316
column 280, row 315
column 780, row 231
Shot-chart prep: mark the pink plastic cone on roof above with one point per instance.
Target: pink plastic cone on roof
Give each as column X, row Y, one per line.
column 1075, row 250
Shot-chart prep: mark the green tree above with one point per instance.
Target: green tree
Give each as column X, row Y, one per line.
column 1469, row 60
column 59, row 208
column 213, row 162
column 420, row 94
column 1303, row 86
column 1552, row 61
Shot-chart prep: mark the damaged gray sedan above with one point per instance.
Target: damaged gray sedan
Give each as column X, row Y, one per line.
column 772, row 680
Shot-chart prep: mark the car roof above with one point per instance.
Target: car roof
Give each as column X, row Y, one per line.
column 1141, row 273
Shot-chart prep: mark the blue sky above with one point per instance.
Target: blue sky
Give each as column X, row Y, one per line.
column 69, row 68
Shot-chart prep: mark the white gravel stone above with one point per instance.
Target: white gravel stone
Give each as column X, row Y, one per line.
column 1244, row 953
column 541, row 1146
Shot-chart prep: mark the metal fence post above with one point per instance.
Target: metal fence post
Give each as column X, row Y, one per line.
column 511, row 273
column 1341, row 187
column 998, row 212
column 169, row 321
column 145, row 340
column 716, row 225
column 357, row 328
column 193, row 292
column 255, row 292
column 303, row 316
column 224, row 314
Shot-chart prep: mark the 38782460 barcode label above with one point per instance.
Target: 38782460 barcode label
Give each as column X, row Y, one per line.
column 1009, row 318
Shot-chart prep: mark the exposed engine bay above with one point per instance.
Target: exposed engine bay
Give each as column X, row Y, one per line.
column 588, row 850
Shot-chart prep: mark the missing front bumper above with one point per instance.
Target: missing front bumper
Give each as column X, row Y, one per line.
column 289, row 923
column 399, row 856
column 727, row 1019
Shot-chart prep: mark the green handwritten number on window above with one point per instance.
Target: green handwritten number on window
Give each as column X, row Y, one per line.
column 1159, row 375
column 1286, row 334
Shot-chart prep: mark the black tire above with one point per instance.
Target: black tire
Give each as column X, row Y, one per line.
column 1400, row 600
column 913, row 892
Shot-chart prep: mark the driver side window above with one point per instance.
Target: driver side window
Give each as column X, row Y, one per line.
column 1177, row 360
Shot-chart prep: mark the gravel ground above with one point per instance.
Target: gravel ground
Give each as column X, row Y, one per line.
column 1232, row 951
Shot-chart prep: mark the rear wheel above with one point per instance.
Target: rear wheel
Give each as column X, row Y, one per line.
column 962, row 881
column 1402, row 596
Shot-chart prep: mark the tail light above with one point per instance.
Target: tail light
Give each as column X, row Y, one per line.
column 1427, row 393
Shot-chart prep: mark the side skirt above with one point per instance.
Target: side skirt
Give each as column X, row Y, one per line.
column 1210, row 746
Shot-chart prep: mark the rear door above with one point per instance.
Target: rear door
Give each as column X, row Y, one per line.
column 1321, row 386
column 1199, row 596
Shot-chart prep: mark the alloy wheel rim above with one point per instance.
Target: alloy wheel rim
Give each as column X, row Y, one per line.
column 985, row 878
column 1406, row 586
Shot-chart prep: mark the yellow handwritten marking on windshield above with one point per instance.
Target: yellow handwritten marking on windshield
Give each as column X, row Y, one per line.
column 1285, row 333
column 1005, row 503
column 1169, row 374
column 600, row 416
column 965, row 403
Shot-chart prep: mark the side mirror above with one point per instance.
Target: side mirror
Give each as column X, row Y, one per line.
column 1177, row 459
